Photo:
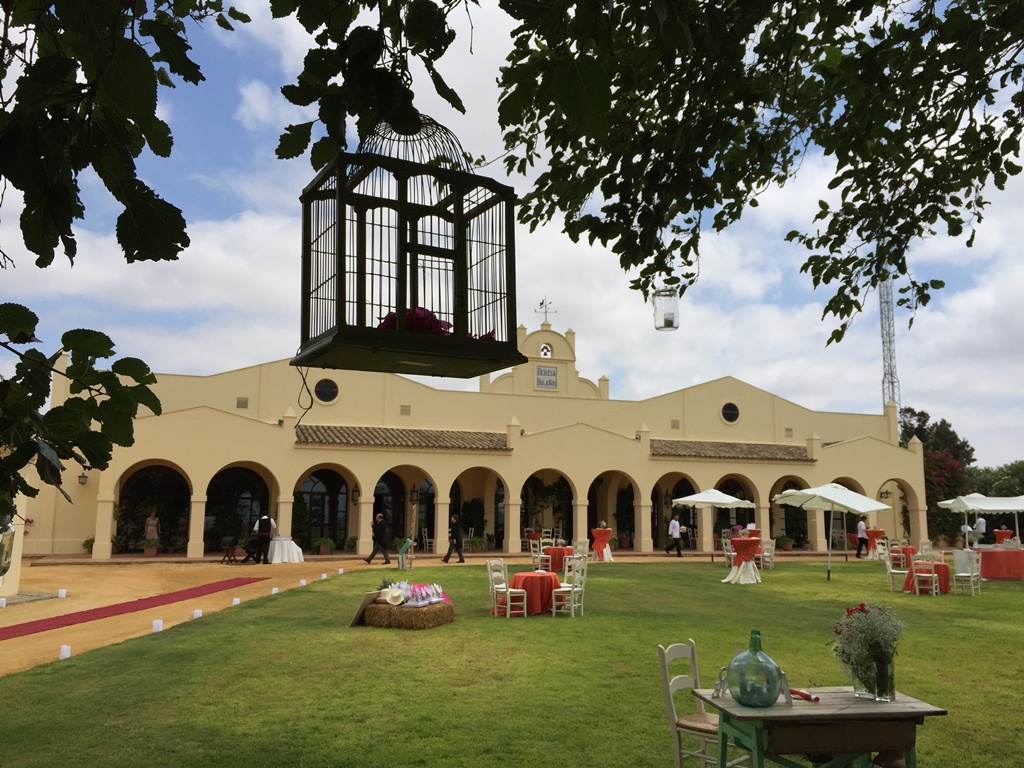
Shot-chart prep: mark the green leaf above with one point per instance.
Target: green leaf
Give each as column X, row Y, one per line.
column 128, row 83
column 135, row 369
column 150, row 229
column 583, row 91
column 294, row 140
column 18, row 323
column 89, row 343
column 173, row 49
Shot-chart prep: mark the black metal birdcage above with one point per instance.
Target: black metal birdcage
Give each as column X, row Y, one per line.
column 408, row 260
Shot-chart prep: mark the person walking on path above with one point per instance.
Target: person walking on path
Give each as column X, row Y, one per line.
column 675, row 532
column 862, row 534
column 380, row 540
column 454, row 540
column 264, row 529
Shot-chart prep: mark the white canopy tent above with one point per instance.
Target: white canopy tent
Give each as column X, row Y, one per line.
column 712, row 498
column 831, row 497
column 979, row 502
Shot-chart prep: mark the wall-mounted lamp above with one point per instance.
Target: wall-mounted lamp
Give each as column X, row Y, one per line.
column 885, row 495
column 355, row 494
column 637, row 436
column 83, row 479
column 414, row 496
column 668, row 501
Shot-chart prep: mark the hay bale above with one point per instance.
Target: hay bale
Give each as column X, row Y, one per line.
column 401, row 617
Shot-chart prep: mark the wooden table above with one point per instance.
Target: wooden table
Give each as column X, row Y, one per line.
column 538, row 585
column 840, row 724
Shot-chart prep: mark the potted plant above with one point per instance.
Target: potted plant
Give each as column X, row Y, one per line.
column 785, row 543
column 476, row 544
column 325, row 545
column 87, row 545
column 625, row 539
column 149, row 547
column 350, row 544
column 118, row 543
column 613, row 543
column 176, row 543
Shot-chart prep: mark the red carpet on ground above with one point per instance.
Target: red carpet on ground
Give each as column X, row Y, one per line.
column 106, row 611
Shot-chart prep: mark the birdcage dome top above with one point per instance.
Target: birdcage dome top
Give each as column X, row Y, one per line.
column 430, row 143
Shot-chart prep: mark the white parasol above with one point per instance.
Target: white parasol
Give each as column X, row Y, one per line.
column 831, row 497
column 979, row 502
column 712, row 498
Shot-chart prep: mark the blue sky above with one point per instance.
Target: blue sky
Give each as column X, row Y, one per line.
column 232, row 299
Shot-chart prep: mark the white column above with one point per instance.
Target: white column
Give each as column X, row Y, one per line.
column 284, row 516
column 101, row 549
column 642, row 541
column 196, row 526
column 817, row 519
column 512, row 544
column 442, row 513
column 364, row 542
column 579, row 521
column 706, row 524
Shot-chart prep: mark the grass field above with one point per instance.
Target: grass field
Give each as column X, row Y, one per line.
column 283, row 680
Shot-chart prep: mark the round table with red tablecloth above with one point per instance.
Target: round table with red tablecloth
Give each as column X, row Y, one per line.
column 743, row 569
column 1002, row 563
column 538, row 585
column 926, row 566
column 557, row 555
column 1002, row 535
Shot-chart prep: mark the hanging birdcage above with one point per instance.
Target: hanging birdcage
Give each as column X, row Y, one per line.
column 408, row 260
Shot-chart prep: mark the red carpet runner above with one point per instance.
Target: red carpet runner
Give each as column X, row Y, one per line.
column 105, row 612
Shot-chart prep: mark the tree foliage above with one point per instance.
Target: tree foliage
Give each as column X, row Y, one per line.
column 97, row 415
column 947, row 458
column 655, row 122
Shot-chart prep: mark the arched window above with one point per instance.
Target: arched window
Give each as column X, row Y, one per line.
column 545, row 350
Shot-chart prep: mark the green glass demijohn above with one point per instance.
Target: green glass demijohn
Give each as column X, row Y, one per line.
column 754, row 679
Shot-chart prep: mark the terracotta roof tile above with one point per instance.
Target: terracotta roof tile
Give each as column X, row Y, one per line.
column 386, row 437
column 703, row 449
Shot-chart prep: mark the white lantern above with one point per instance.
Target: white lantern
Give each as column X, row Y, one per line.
column 666, row 309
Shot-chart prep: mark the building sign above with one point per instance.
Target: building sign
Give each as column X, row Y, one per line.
column 547, row 377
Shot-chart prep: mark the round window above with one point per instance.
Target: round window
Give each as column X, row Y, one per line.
column 326, row 391
column 730, row 412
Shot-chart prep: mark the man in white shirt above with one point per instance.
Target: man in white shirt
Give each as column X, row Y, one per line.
column 862, row 534
column 979, row 528
column 675, row 531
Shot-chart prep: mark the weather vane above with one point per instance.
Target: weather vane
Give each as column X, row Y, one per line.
column 545, row 307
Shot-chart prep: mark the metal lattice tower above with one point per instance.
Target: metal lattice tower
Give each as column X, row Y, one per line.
column 890, row 381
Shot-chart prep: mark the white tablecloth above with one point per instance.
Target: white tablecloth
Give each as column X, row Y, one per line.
column 284, row 550
column 743, row 574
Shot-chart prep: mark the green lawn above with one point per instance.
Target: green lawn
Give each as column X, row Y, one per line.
column 283, row 681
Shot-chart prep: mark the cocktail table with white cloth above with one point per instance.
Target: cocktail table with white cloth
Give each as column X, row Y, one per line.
column 744, row 571
column 284, row 550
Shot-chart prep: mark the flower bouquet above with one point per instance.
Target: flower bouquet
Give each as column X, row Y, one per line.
column 866, row 642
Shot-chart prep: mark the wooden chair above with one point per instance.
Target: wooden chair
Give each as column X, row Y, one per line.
column 544, row 563
column 894, row 575
column 966, row 572
column 727, row 550
column 535, row 551
column 700, row 725
column 766, row 557
column 504, row 600
column 574, row 563
column 425, row 541
column 567, row 599
column 228, row 546
column 926, row 580
column 580, row 547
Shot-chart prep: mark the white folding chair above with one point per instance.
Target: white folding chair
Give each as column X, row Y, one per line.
column 966, row 572
column 700, row 725
column 425, row 541
column 925, row 578
column 535, row 551
column 567, row 599
column 766, row 557
column 544, row 563
column 894, row 575
column 504, row 600
column 580, row 547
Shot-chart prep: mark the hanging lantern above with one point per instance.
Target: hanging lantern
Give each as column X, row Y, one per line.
column 666, row 309
column 408, row 260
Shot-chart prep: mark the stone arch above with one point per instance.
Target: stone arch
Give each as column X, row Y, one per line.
column 323, row 507
column 787, row 520
column 157, row 484
column 742, row 488
column 613, row 498
column 236, row 497
column 547, row 500
column 672, row 486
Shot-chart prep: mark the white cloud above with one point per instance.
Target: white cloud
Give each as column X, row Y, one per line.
column 261, row 107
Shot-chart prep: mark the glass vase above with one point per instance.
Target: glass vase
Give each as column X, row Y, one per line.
column 878, row 682
column 754, row 678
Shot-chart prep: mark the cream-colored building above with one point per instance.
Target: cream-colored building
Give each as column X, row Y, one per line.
column 538, row 445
